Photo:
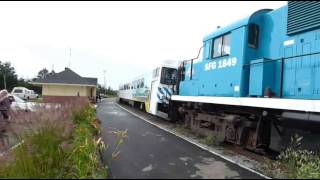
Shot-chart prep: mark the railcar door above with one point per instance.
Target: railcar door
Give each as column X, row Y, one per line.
column 153, row 97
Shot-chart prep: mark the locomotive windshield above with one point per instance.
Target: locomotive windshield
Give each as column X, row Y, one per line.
column 168, row 76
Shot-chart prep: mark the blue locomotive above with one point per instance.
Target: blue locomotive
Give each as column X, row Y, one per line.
column 258, row 82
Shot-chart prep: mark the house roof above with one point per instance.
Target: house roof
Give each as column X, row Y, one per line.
column 67, row 77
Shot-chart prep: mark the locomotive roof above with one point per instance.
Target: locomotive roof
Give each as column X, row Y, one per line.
column 228, row 28
column 235, row 25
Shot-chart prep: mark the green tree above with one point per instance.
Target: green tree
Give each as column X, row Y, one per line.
column 27, row 83
column 43, row 73
column 8, row 76
column 107, row 91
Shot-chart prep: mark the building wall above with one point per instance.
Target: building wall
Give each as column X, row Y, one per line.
column 66, row 90
column 61, row 99
column 64, row 93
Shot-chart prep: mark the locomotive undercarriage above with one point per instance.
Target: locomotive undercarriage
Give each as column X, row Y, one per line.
column 255, row 129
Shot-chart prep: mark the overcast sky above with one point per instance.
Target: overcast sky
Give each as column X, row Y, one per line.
column 124, row 38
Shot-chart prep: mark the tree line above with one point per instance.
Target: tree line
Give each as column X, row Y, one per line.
column 9, row 79
column 106, row 91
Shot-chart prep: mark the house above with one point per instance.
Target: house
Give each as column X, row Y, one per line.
column 67, row 85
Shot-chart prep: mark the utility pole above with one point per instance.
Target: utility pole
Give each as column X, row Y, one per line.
column 4, row 80
column 104, row 76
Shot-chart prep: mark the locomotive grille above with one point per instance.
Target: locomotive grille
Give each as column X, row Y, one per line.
column 303, row 16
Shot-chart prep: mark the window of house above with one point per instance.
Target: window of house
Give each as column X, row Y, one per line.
column 222, row 46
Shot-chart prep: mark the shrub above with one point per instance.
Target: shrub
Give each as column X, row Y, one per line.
column 40, row 156
column 210, row 140
column 301, row 163
column 83, row 158
column 58, row 143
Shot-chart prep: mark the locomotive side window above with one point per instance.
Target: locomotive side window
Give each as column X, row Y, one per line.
column 253, row 36
column 207, row 46
column 217, row 47
column 226, row 45
column 222, row 46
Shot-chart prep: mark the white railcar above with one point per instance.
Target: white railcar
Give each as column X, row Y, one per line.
column 152, row 91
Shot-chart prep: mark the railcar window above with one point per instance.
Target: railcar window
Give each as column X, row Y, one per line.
column 253, row 36
column 156, row 73
column 168, row 76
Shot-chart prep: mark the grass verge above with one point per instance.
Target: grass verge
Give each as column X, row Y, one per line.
column 64, row 143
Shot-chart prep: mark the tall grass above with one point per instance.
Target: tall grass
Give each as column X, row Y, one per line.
column 300, row 163
column 59, row 142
